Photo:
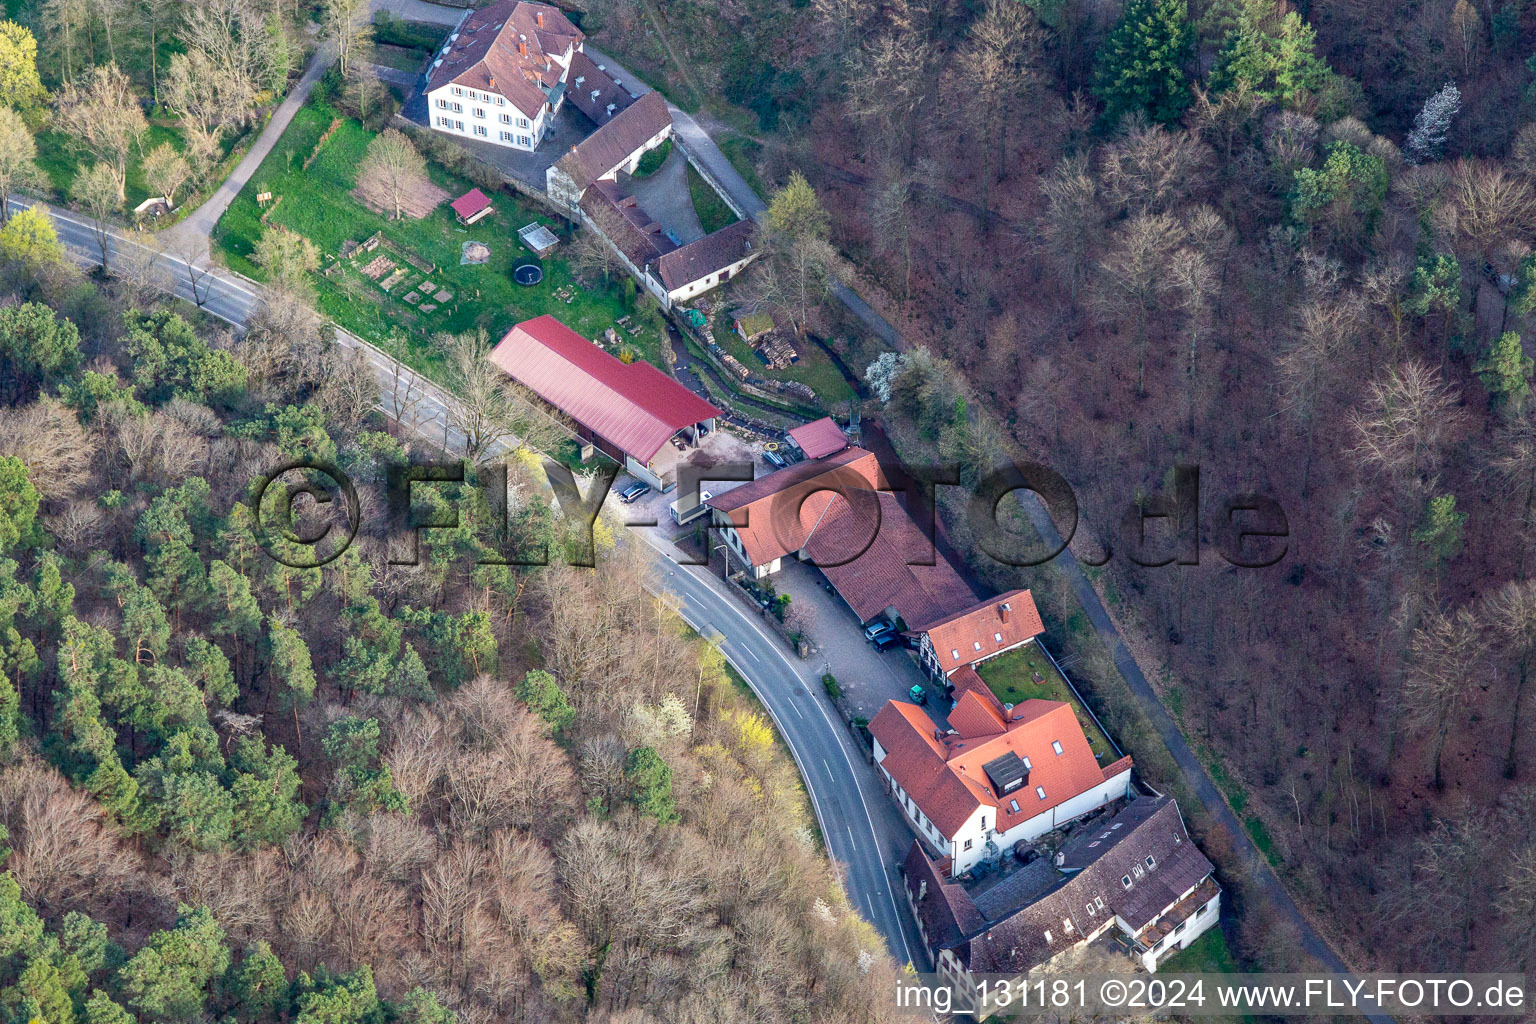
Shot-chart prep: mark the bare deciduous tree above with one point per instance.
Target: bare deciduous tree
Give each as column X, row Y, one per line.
column 393, row 169
column 1135, row 279
column 1408, row 416
column 1447, row 654
column 102, row 117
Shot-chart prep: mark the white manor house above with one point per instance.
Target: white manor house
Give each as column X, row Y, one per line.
column 501, row 75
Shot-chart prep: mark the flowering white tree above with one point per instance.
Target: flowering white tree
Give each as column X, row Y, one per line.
column 1432, row 124
column 885, row 369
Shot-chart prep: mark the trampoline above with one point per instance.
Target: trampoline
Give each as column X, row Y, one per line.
column 528, row 274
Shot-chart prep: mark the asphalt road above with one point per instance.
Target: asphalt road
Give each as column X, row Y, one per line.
column 860, row 826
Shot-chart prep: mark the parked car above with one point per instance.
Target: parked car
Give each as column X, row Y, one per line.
column 918, row 695
column 885, row 641
column 634, row 491
column 874, row 629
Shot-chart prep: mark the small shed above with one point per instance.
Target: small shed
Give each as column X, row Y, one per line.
column 539, row 239
column 471, row 206
column 819, row 438
column 752, row 326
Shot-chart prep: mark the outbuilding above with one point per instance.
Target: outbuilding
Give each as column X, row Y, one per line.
column 632, row 412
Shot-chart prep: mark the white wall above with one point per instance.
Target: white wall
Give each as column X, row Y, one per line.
column 919, row 822
column 462, row 122
column 1195, row 927
column 1039, row 825
column 704, row 284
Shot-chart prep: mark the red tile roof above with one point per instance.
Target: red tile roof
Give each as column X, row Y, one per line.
column 708, row 255
column 509, row 48
column 886, row 572
column 635, row 406
column 819, row 437
column 983, row 629
column 771, row 510
column 946, row 776
column 470, row 203
column 964, row 679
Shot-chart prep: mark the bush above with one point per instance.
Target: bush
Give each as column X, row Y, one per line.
column 651, row 162
column 829, row 682
column 415, row 35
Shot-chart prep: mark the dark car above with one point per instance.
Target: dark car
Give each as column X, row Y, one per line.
column 885, row 641
column 634, row 491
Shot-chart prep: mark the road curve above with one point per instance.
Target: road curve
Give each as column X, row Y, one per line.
column 860, row 827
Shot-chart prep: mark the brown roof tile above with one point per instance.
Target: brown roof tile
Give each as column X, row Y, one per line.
column 509, row 48
column 981, row 630
column 593, row 90
column 614, row 142
column 708, row 255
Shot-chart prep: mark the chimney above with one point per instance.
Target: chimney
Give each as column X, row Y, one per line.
column 538, row 18
column 522, row 47
column 493, row 83
column 1005, row 611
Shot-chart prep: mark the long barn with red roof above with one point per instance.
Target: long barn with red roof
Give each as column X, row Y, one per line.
column 630, row 411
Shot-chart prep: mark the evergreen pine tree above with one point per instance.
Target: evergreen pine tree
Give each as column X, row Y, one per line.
column 1141, row 64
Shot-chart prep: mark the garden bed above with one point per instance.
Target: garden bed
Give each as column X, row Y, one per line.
column 320, row 206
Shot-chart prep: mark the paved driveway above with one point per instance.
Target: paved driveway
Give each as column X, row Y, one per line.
column 867, row 676
column 665, row 196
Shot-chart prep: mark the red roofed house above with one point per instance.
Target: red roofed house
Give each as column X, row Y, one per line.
column 500, row 77
column 471, row 206
column 833, row 513
column 819, row 438
column 630, row 411
column 999, row 776
column 982, row 631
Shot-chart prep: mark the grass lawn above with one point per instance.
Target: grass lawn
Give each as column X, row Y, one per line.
column 1012, row 679
column 742, row 152
column 316, row 202
column 60, row 162
column 400, row 58
column 651, row 162
column 713, row 212
column 814, row 368
column 1207, row 955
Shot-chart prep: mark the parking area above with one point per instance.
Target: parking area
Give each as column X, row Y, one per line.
column 868, row 677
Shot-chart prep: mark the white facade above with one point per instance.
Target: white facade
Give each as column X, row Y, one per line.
column 486, row 117
column 978, row 839
column 933, row 663
column 732, row 538
column 1184, row 934
column 699, row 287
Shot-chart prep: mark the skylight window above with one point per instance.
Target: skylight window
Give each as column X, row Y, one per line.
column 976, row 644
column 955, row 653
column 1027, row 765
column 1125, row 880
column 1040, row 792
column 1056, row 746
column 998, row 637
column 1013, row 805
column 1151, row 861
column 1093, row 844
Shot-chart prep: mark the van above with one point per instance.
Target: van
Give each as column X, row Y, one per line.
column 682, row 518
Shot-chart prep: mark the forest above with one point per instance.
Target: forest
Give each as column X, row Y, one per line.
column 1289, row 244
column 362, row 792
